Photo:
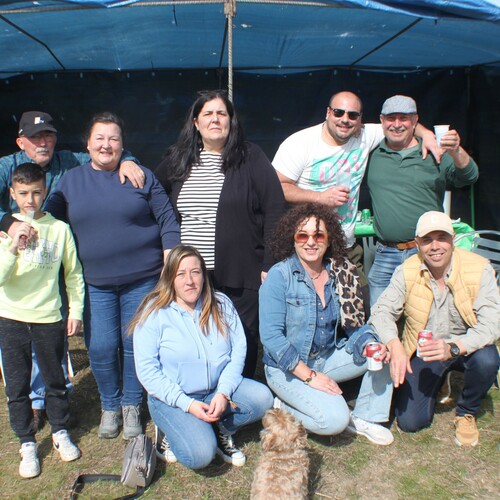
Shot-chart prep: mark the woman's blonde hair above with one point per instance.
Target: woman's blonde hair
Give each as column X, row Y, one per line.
column 164, row 293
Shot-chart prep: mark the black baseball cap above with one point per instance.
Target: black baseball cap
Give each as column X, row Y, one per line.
column 33, row 122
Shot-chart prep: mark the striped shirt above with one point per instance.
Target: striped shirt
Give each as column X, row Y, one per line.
column 197, row 204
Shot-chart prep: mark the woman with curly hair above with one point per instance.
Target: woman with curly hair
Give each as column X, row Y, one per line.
column 312, row 326
column 228, row 199
column 189, row 350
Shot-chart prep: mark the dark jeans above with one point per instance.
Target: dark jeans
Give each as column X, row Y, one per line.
column 415, row 400
column 246, row 303
column 16, row 341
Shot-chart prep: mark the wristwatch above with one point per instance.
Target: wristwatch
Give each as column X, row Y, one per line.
column 454, row 350
column 311, row 375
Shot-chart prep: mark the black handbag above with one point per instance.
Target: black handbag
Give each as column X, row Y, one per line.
column 138, row 468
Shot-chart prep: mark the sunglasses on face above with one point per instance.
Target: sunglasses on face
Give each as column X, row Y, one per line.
column 304, row 237
column 339, row 113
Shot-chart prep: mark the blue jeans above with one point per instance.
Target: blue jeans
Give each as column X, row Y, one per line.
column 383, row 267
column 37, row 394
column 192, row 440
column 111, row 350
column 415, row 400
column 328, row 414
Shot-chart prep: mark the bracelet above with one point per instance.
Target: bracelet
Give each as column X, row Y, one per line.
column 230, row 401
column 312, row 374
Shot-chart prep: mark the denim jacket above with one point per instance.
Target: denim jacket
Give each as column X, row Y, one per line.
column 287, row 311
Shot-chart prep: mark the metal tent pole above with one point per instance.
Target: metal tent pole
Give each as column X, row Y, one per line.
column 230, row 12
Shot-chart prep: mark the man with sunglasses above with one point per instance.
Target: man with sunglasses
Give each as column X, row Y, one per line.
column 404, row 184
column 326, row 164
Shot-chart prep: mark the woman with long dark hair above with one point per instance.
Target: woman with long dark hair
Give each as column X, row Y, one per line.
column 228, row 200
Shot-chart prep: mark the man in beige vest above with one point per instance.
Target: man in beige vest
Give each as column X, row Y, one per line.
column 454, row 294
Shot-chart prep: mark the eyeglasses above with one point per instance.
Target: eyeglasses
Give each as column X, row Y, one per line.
column 339, row 113
column 304, row 237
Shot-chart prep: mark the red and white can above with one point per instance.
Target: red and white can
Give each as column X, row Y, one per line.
column 373, row 356
column 423, row 337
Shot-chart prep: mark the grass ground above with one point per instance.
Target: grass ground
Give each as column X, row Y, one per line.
column 425, row 465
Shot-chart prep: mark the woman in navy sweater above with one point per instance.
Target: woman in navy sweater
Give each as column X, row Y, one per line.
column 122, row 235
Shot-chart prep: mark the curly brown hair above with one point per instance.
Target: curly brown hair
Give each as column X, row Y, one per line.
column 282, row 243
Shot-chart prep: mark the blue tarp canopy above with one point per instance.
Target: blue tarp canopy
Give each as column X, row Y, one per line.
column 279, row 36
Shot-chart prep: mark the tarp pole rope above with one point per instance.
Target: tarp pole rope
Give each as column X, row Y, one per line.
column 230, row 12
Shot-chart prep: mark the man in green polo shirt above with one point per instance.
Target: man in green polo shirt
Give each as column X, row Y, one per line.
column 403, row 185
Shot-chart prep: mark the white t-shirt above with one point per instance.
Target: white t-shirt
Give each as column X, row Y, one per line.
column 307, row 160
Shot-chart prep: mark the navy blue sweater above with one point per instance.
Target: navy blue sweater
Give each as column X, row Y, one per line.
column 120, row 231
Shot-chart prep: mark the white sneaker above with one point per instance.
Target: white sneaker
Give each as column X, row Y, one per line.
column 376, row 433
column 162, row 447
column 62, row 443
column 30, row 465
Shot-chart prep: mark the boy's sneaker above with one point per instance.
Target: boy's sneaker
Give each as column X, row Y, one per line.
column 30, row 465
column 162, row 447
column 131, row 421
column 63, row 444
column 226, row 448
column 376, row 433
column 110, row 424
column 466, row 433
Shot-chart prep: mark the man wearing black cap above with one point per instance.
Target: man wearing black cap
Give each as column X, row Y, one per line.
column 403, row 185
column 37, row 140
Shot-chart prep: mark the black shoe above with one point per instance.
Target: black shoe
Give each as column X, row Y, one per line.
column 226, row 448
column 39, row 419
column 162, row 447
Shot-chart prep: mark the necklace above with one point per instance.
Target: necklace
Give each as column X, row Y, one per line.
column 316, row 277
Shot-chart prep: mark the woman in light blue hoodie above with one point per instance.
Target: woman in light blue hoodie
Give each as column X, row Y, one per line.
column 189, row 349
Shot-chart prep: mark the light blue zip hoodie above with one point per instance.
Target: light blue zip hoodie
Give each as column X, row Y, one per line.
column 176, row 362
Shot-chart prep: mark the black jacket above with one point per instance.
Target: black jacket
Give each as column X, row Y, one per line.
column 250, row 204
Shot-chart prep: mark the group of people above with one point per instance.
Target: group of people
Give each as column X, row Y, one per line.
column 183, row 270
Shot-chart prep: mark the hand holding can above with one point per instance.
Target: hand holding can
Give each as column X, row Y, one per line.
column 423, row 337
column 28, row 218
column 373, row 356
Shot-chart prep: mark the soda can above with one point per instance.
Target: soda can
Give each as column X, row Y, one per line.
column 366, row 216
column 423, row 337
column 372, row 355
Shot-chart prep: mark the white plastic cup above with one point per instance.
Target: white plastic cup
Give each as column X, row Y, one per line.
column 344, row 177
column 439, row 131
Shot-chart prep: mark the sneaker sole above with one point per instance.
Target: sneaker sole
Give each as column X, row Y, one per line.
column 106, row 435
column 474, row 443
column 67, row 458
column 168, row 460
column 352, row 430
column 29, row 476
column 232, row 461
column 127, row 436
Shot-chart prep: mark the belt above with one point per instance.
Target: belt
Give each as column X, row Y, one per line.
column 400, row 246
